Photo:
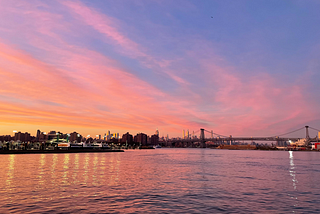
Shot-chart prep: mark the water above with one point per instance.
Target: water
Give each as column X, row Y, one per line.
column 161, row 181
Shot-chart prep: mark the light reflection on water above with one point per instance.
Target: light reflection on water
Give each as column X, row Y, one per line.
column 163, row 180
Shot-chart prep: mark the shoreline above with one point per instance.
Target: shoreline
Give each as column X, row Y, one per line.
column 11, row 152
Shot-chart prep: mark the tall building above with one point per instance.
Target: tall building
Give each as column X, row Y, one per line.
column 4, row 138
column 157, row 132
column 187, row 133
column 38, row 135
column 23, row 137
column 154, row 140
column 141, row 138
column 183, row 135
column 109, row 136
column 127, row 138
column 74, row 136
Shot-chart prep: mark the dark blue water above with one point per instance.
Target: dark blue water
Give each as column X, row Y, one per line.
column 161, row 181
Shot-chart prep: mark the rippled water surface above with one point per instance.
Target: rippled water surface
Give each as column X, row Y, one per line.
column 161, row 181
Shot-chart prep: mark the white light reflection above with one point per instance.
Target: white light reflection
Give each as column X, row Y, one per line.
column 292, row 171
column 293, row 177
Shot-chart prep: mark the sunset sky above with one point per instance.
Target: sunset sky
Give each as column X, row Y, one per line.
column 241, row 68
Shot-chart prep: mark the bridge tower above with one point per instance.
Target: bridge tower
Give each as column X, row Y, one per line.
column 307, row 133
column 202, row 140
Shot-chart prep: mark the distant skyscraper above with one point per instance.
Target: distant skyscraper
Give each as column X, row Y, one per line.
column 109, row 135
column 187, row 133
column 157, row 132
column 183, row 135
column 38, row 135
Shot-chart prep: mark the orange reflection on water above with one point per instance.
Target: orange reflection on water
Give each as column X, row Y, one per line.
column 86, row 167
column 95, row 163
column 10, row 173
column 42, row 162
column 114, row 169
column 75, row 179
column 53, row 168
column 65, row 178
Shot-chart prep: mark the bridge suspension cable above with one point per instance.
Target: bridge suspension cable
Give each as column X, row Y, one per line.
column 289, row 132
column 215, row 133
column 196, row 131
column 314, row 129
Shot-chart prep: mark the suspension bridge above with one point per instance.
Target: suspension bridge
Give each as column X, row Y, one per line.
column 223, row 139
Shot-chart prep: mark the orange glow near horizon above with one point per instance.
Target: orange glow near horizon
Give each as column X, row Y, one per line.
column 69, row 66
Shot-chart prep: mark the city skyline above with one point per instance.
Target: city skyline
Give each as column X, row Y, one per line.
column 139, row 66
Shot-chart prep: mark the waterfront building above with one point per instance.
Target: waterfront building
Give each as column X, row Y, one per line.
column 51, row 135
column 4, row 138
column 127, row 138
column 154, row 140
column 141, row 138
column 42, row 136
column 74, row 136
column 23, row 137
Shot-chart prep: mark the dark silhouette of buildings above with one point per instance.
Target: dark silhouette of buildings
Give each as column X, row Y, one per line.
column 23, row 137
column 154, row 140
column 127, row 138
column 141, row 139
column 74, row 136
column 6, row 138
column 38, row 135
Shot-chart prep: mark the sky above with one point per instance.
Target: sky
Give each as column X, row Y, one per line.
column 240, row 68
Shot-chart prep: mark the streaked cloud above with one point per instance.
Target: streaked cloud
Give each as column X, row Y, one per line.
column 72, row 65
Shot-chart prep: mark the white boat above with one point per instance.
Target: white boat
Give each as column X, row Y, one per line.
column 157, row 146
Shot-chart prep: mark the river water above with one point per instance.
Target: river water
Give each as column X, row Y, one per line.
column 161, row 181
